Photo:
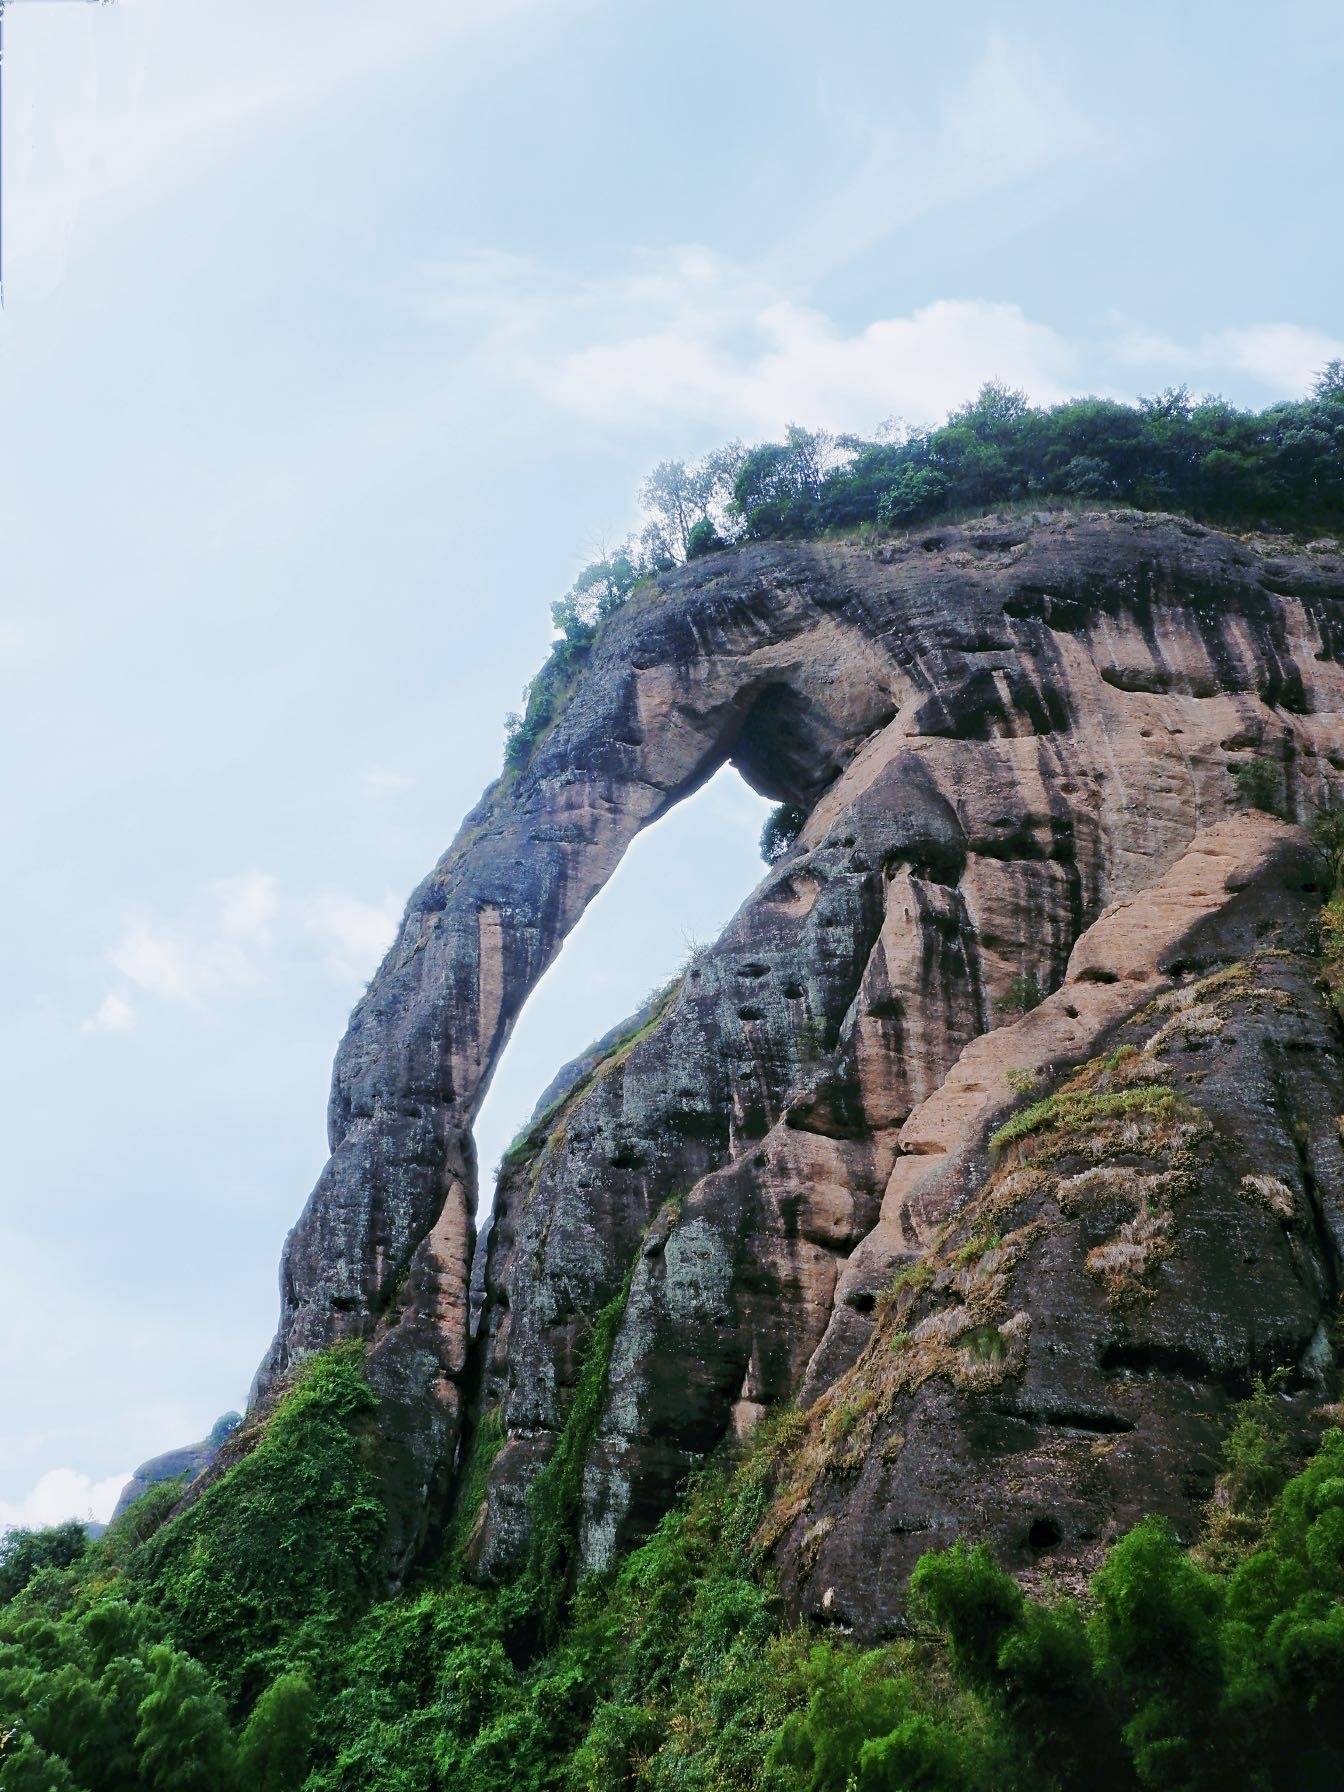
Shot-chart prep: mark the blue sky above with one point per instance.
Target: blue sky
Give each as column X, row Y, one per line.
column 336, row 338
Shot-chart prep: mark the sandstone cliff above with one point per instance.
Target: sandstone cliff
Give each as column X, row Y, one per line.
column 1017, row 747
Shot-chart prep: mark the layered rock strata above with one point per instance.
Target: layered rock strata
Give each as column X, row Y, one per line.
column 998, row 732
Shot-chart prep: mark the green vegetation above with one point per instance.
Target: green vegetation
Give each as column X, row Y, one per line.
column 1281, row 468
column 557, row 1492
column 531, row 1139
column 1071, row 1110
column 24, row 1554
column 975, row 1248
column 1259, row 785
column 911, row 1276
column 244, row 1642
column 1025, row 992
column 266, row 1567
column 675, row 1671
column 597, row 593
column 1257, row 1461
column 782, row 827
column 1329, row 836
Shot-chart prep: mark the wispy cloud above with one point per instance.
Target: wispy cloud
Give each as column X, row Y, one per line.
column 1008, row 119
column 380, row 780
column 216, row 945
column 1284, row 358
column 354, row 935
column 687, row 334
column 119, row 1378
column 688, row 337
column 684, row 338
column 114, row 1014
column 114, row 110
column 233, row 933
column 785, row 362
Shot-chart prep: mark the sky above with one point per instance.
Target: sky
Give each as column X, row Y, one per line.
column 336, row 339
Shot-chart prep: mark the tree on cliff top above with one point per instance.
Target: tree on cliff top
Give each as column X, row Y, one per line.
column 1278, row 468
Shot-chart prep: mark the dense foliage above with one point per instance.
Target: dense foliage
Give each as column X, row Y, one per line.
column 1280, row 468
column 261, row 1570
column 782, row 827
column 242, row 1644
column 25, row 1553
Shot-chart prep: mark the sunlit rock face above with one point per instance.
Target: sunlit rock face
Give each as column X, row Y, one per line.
column 998, row 734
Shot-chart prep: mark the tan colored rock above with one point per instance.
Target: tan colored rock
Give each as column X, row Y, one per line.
column 1014, row 759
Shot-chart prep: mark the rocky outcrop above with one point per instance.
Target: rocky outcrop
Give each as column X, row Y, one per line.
column 1115, row 1214
column 178, row 1465
column 1018, row 748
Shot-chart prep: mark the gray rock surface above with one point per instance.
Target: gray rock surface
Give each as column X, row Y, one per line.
column 999, row 733
column 184, row 1464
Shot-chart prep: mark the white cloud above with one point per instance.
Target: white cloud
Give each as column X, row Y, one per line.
column 157, row 962
column 687, row 334
column 355, row 934
column 97, row 1377
column 113, row 1015
column 685, row 337
column 235, row 932
column 247, row 906
column 790, row 363
column 216, row 946
column 1284, row 358
column 378, row 781
column 62, row 1494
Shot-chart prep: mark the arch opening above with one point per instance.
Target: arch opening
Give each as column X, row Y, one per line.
column 678, row 885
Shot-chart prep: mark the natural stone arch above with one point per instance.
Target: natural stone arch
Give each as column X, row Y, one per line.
column 998, row 672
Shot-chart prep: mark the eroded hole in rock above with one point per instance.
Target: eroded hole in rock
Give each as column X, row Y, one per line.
column 1126, row 1358
column 1045, row 1533
column 678, row 886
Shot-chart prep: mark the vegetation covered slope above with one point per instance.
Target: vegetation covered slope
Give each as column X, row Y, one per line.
column 1215, row 1667
column 243, row 1639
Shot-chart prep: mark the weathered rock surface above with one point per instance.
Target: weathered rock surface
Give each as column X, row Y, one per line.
column 1088, row 1301
column 999, row 734
column 174, row 1465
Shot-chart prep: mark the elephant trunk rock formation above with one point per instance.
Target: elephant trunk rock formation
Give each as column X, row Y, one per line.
column 1026, row 849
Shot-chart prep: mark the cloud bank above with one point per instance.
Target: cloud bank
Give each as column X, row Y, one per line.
column 61, row 1494
column 685, row 338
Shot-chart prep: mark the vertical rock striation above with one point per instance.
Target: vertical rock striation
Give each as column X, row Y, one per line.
column 998, row 733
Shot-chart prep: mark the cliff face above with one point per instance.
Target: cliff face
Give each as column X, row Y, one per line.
column 1015, row 747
